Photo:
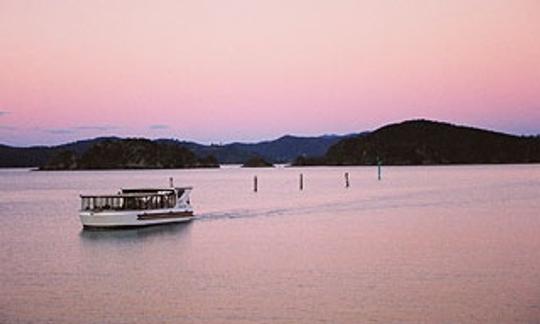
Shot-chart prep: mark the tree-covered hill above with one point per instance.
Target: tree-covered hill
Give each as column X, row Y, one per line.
column 257, row 162
column 283, row 149
column 423, row 142
column 128, row 154
column 36, row 156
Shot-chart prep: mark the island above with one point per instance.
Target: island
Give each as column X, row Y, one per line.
column 131, row 153
column 425, row 142
column 257, row 162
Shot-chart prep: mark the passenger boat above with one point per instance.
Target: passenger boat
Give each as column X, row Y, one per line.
column 136, row 207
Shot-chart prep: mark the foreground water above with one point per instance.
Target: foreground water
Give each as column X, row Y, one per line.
column 450, row 244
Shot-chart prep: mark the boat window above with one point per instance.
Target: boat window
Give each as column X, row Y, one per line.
column 86, row 204
column 151, row 201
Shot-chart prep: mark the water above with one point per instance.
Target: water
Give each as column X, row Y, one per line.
column 431, row 244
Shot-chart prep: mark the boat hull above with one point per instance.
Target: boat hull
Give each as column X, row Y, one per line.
column 134, row 218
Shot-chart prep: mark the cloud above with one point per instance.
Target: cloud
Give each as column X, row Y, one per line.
column 59, row 131
column 3, row 112
column 74, row 130
column 96, row 128
column 159, row 126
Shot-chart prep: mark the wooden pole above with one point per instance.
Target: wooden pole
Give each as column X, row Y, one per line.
column 301, row 181
column 379, row 170
column 347, row 182
column 255, row 184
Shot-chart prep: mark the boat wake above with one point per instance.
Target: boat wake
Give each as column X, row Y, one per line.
column 242, row 213
column 351, row 205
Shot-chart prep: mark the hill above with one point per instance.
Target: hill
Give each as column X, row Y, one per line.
column 415, row 142
column 127, row 154
column 15, row 157
column 283, row 149
column 18, row 157
column 423, row 142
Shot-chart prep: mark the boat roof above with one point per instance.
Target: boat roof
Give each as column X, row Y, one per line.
column 125, row 195
column 135, row 190
column 146, row 190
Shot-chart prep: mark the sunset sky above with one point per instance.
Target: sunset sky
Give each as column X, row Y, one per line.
column 248, row 70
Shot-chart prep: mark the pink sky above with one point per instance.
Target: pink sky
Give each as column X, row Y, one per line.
column 245, row 70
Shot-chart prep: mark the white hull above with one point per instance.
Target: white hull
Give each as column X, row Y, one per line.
column 129, row 218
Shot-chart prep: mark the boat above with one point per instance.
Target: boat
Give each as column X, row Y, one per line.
column 136, row 207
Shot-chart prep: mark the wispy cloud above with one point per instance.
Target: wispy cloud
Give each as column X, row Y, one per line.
column 78, row 129
column 3, row 112
column 59, row 131
column 8, row 128
column 159, row 126
column 96, row 128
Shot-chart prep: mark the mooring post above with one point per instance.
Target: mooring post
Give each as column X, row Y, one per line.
column 347, row 182
column 171, row 182
column 255, row 184
column 379, row 163
column 301, row 181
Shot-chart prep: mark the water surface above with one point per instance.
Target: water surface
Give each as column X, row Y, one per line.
column 432, row 244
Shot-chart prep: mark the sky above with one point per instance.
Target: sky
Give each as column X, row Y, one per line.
column 248, row 70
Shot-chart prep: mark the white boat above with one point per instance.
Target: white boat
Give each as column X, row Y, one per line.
column 136, row 207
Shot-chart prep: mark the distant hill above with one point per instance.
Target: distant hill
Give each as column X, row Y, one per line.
column 127, row 154
column 283, row 149
column 287, row 148
column 14, row 157
column 423, row 142
column 227, row 154
column 415, row 142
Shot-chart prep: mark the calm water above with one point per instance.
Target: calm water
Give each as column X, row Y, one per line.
column 432, row 244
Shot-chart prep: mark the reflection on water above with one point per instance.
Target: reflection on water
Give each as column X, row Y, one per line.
column 135, row 233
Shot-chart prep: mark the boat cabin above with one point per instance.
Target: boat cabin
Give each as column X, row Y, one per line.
column 134, row 199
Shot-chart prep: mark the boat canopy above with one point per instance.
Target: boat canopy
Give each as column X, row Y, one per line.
column 145, row 190
column 154, row 190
